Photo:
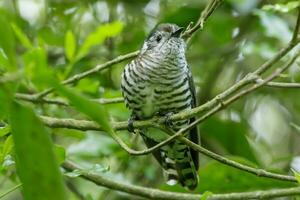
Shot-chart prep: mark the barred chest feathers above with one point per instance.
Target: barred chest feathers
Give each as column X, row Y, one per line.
column 157, row 83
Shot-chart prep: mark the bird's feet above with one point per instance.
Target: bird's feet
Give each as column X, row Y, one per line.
column 130, row 127
column 168, row 121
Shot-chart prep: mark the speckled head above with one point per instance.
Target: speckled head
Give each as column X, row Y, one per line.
column 165, row 38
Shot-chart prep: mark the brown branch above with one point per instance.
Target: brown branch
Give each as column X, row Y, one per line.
column 97, row 69
column 297, row 28
column 280, row 84
column 205, row 14
column 165, row 195
column 88, row 125
column 33, row 99
column 221, row 105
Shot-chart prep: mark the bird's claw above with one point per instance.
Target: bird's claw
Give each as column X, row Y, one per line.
column 168, row 121
column 130, row 126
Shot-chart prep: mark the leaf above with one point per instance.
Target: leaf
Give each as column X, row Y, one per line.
column 282, row 7
column 8, row 161
column 21, row 36
column 36, row 67
column 7, row 148
column 4, row 130
column 88, row 85
column 296, row 127
column 35, row 159
column 98, row 36
column 205, row 195
column 4, row 62
column 70, row 45
column 7, row 40
column 60, row 153
column 92, row 109
column 274, row 26
column 297, row 175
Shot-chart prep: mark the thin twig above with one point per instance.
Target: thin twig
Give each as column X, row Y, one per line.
column 164, row 195
column 88, row 125
column 281, row 84
column 215, row 109
column 10, row 190
column 33, row 99
column 297, row 28
column 205, row 14
column 94, row 70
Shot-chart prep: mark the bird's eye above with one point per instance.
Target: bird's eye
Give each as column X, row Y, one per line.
column 158, row 38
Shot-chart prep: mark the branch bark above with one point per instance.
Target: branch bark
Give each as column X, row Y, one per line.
column 33, row 99
column 164, row 195
column 89, row 125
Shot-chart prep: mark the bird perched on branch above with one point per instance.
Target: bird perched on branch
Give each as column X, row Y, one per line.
column 159, row 82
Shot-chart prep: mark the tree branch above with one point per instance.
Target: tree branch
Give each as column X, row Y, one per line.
column 205, row 14
column 33, row 99
column 210, row 7
column 280, row 84
column 94, row 70
column 297, row 28
column 164, row 195
column 89, row 125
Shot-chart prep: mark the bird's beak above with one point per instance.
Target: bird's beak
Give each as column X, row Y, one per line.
column 177, row 32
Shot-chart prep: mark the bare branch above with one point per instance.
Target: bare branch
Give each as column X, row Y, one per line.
column 89, row 125
column 281, row 84
column 164, row 195
column 97, row 69
column 208, row 10
column 33, row 99
column 297, row 28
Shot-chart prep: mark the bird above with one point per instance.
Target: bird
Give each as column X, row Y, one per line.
column 158, row 82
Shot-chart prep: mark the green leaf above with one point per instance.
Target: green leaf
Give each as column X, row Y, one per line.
column 297, row 175
column 87, row 85
column 282, row 7
column 95, row 111
column 35, row 160
column 205, row 195
column 8, row 145
column 21, row 36
column 36, row 67
column 7, row 40
column 4, row 62
column 98, row 36
column 60, row 153
column 4, row 130
column 70, row 45
column 296, row 127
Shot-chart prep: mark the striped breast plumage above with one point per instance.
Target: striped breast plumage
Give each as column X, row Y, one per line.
column 159, row 82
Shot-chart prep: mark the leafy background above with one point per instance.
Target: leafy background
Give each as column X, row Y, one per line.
column 40, row 39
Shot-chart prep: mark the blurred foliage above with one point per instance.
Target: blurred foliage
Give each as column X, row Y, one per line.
column 45, row 41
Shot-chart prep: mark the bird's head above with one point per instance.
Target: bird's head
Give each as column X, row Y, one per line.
column 165, row 38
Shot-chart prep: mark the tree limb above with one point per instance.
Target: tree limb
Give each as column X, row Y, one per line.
column 33, row 99
column 164, row 195
column 89, row 125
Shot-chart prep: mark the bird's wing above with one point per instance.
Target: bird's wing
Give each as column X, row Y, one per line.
column 194, row 134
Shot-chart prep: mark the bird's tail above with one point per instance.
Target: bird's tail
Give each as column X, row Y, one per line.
column 179, row 166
